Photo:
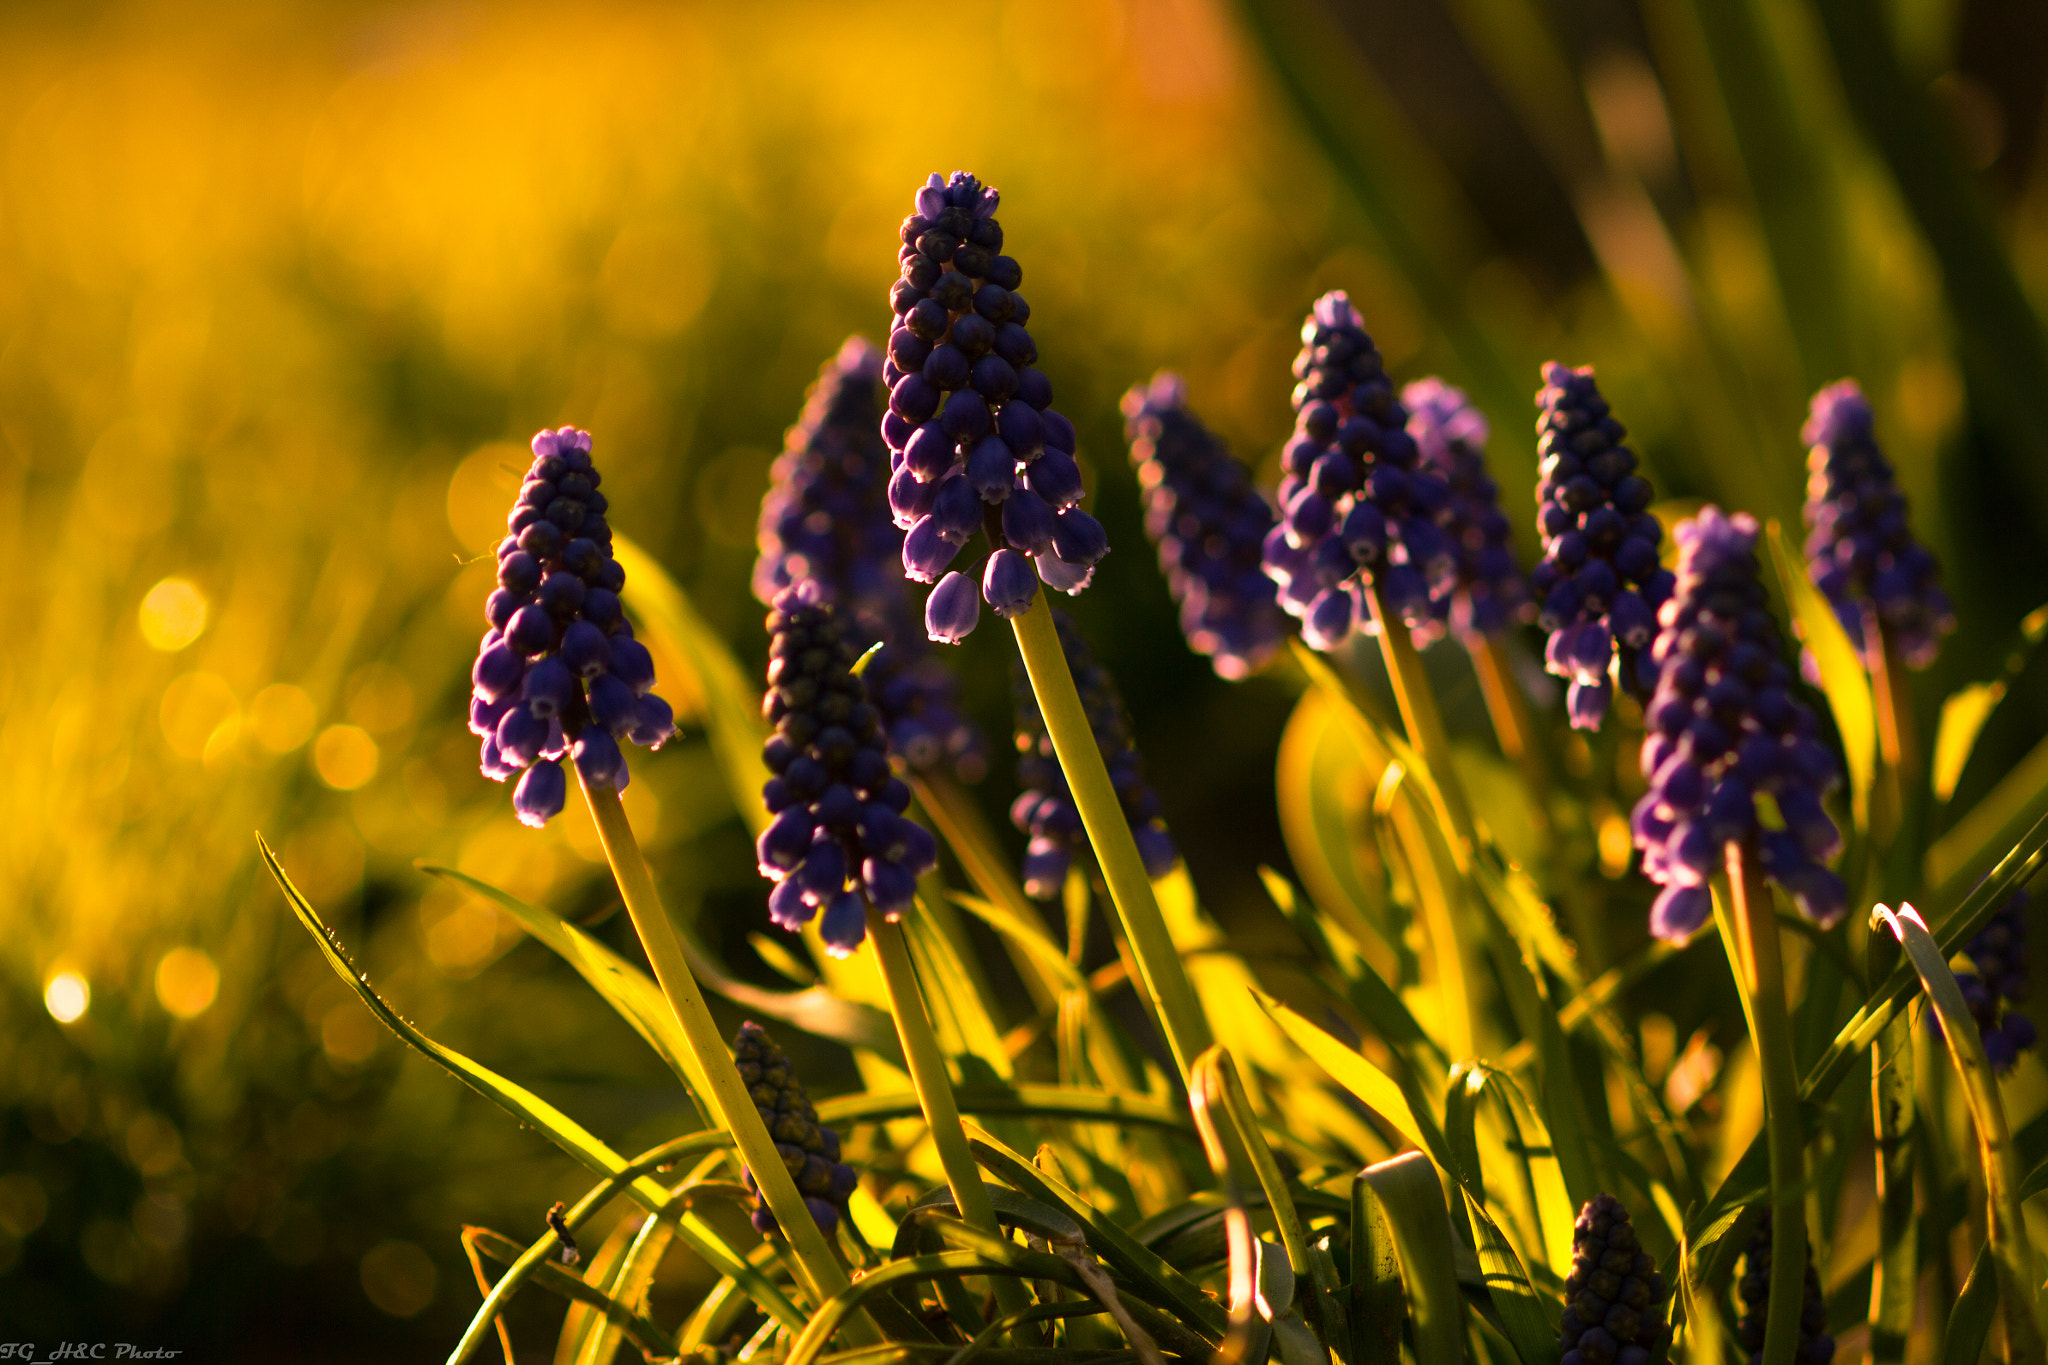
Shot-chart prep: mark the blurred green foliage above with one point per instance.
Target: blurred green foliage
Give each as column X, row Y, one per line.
column 282, row 290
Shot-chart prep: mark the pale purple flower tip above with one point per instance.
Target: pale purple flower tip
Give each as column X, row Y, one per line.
column 541, row 794
column 1009, row 583
column 953, row 610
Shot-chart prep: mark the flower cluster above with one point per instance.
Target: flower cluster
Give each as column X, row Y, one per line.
column 975, row 442
column 825, row 519
column 1860, row 552
column 1359, row 508
column 1999, row 955
column 1599, row 583
column 1045, row 808
column 1486, row 594
column 559, row 673
column 1816, row 1347
column 808, row 1148
column 1724, row 728
column 1614, row 1297
column 839, row 841
column 1210, row 525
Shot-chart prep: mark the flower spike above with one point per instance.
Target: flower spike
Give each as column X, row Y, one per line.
column 559, row 674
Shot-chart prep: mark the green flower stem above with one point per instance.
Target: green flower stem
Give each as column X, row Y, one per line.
column 935, row 1091
column 816, row 1267
column 1165, row 980
column 1425, row 727
column 1749, row 928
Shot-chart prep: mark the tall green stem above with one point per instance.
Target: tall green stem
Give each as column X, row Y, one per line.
column 1749, row 928
column 1130, row 889
column 1425, row 727
column 935, row 1091
column 816, row 1266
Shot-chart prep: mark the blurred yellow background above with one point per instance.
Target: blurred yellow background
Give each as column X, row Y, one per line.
column 283, row 290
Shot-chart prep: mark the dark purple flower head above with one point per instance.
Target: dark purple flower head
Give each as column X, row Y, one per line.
column 559, row 674
column 1599, row 585
column 826, row 520
column 1614, row 1298
column 839, row 841
column 1860, row 551
column 1998, row 982
column 1209, row 524
column 970, row 422
column 1486, row 593
column 1044, row 808
column 1816, row 1347
column 1357, row 505
column 1723, row 728
column 808, row 1148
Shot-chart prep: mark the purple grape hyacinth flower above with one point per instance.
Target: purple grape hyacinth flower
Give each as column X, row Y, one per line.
column 807, row 1147
column 559, row 674
column 1485, row 594
column 839, row 841
column 971, row 427
column 1210, row 525
column 1724, row 728
column 1045, row 809
column 1358, row 507
column 1614, row 1298
column 826, row 519
column 1599, row 584
column 1860, row 551
column 1999, row 981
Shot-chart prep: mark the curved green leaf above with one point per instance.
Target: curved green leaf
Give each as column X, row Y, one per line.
column 1379, row 1091
column 527, row 1107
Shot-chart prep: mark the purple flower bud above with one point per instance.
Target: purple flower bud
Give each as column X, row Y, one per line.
column 1679, row 912
column 598, row 760
column 956, row 510
column 927, row 551
column 787, row 908
column 992, row 469
column 653, row 724
column 1586, row 703
column 548, row 688
column 953, row 609
column 520, row 737
column 909, row 499
column 929, row 454
column 530, row 631
column 484, row 715
column 845, row 924
column 625, row 657
column 1055, row 477
column 784, row 843
column 541, row 794
column 1009, row 583
column 1079, row 538
column 1027, row 521
column 890, row 886
column 1061, row 576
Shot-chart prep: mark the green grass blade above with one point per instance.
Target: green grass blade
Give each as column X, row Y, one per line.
column 1969, row 1322
column 1137, row 1265
column 2018, row 800
column 1412, row 1199
column 644, row 1332
column 1374, row 1088
column 1377, row 1304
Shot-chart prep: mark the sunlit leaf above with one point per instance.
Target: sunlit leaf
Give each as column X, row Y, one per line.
column 1963, row 714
